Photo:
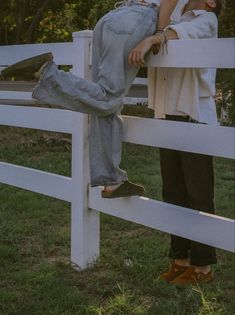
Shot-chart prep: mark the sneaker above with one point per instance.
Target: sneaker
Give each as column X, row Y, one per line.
column 26, row 69
column 173, row 272
column 191, row 277
column 126, row 189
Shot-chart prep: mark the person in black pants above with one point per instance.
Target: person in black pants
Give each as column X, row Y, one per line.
column 187, row 95
column 188, row 181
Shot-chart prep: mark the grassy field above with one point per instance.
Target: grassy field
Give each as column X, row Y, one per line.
column 35, row 273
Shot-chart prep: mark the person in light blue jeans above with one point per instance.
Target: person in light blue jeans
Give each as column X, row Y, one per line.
column 115, row 35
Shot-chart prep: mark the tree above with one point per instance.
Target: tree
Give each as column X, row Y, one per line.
column 30, row 21
column 226, row 78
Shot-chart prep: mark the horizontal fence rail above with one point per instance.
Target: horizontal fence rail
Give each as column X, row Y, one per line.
column 214, row 230
column 64, row 53
column 189, row 53
column 197, row 53
column 209, row 140
column 37, row 118
column 48, row 184
column 21, row 92
column 204, row 139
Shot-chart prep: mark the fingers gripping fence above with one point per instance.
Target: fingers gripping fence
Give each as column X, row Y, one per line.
column 86, row 203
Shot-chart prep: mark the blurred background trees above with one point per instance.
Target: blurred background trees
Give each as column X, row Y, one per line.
column 226, row 78
column 30, row 21
column 35, row 21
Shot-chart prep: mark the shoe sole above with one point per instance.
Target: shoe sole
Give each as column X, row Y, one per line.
column 124, row 190
column 26, row 68
column 110, row 195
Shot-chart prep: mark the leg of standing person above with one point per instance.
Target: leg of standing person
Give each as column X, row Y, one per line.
column 199, row 179
column 174, row 191
column 188, row 181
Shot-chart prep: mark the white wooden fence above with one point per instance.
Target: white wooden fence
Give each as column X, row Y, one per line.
column 86, row 203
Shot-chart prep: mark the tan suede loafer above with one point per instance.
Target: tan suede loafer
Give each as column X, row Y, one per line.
column 191, row 277
column 173, row 272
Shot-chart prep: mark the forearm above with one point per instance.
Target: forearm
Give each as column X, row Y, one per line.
column 136, row 56
column 166, row 9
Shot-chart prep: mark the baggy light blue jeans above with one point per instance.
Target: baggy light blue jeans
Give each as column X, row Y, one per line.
column 115, row 35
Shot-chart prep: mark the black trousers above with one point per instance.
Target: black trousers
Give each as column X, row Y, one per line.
column 188, row 181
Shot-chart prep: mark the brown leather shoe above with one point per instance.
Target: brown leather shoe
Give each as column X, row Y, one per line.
column 173, row 272
column 25, row 69
column 191, row 277
column 126, row 189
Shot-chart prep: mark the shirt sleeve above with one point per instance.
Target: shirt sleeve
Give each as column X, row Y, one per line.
column 202, row 26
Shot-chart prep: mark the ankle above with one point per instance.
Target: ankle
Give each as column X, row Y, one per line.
column 111, row 187
column 182, row 262
column 38, row 74
column 202, row 269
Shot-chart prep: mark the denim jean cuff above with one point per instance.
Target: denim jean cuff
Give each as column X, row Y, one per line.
column 179, row 254
column 203, row 261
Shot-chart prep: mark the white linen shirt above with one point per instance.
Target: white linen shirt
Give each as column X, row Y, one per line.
column 186, row 91
column 177, row 13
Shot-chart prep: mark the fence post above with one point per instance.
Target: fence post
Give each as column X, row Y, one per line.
column 84, row 222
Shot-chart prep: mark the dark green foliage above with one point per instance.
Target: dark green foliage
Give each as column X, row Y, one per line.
column 30, row 21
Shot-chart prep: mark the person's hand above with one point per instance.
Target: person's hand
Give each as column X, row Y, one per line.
column 136, row 56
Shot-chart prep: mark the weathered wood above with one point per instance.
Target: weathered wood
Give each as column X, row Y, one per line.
column 16, row 86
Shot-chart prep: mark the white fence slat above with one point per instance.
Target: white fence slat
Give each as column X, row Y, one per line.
column 199, row 226
column 204, row 139
column 85, row 223
column 82, row 47
column 12, row 95
column 57, row 120
column 63, row 52
column 48, row 184
column 140, row 81
column 196, row 53
column 135, row 100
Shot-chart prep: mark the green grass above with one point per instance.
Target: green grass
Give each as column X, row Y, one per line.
column 35, row 273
